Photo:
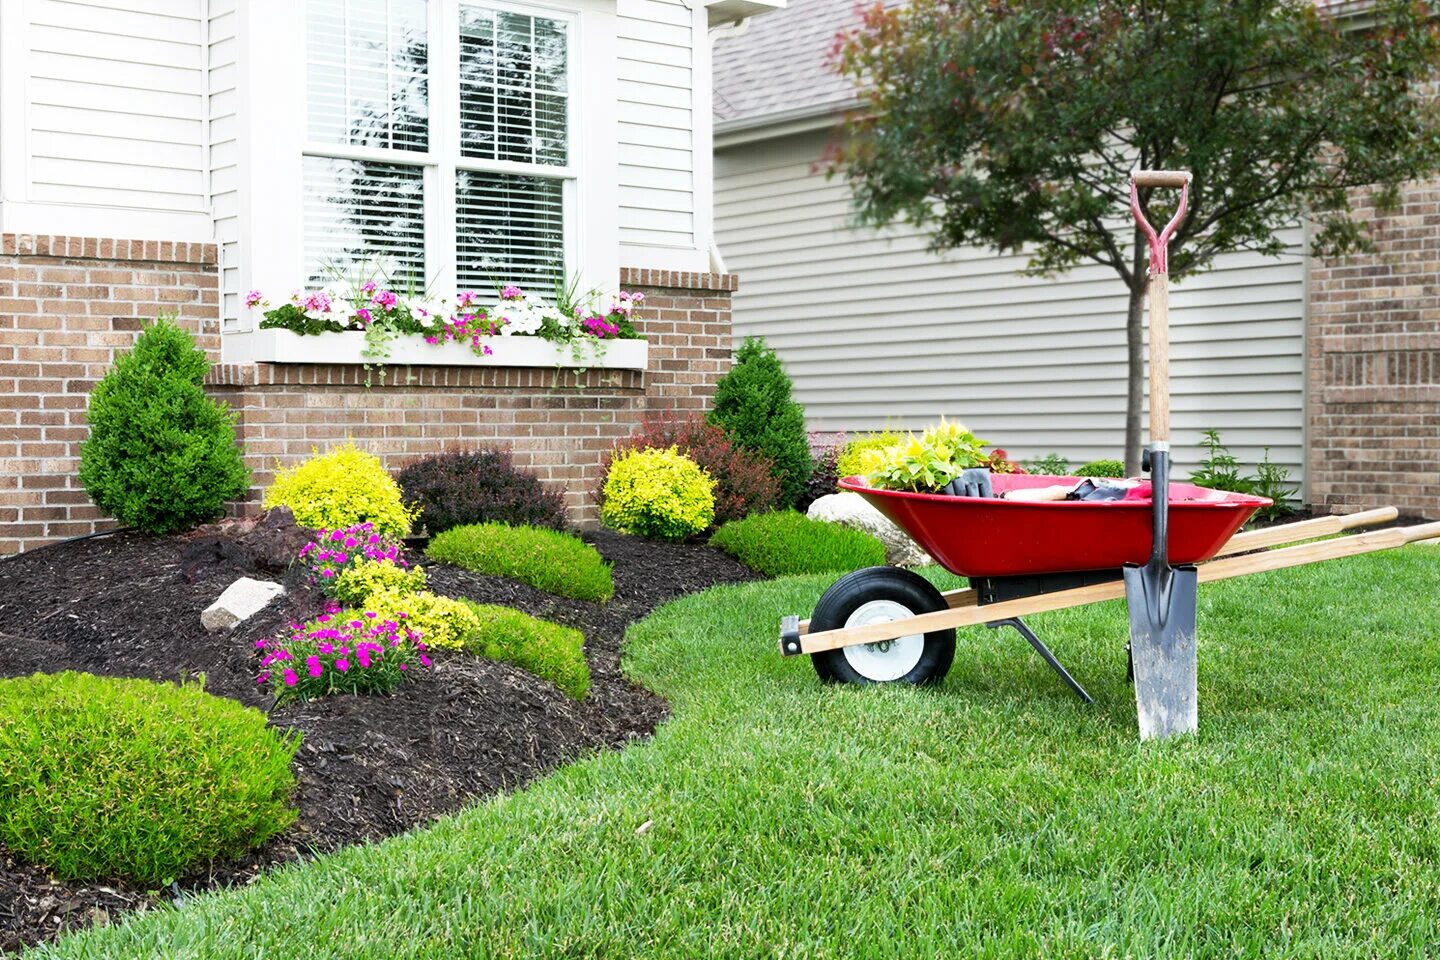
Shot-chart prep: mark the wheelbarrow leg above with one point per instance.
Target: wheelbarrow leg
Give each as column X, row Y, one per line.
column 1044, row 651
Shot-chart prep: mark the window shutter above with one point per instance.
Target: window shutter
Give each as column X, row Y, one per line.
column 367, row 73
column 366, row 213
column 509, row 229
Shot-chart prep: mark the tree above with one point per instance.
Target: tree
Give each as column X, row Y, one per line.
column 1015, row 125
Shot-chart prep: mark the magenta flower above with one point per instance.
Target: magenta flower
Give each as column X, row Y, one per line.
column 342, row 665
column 368, row 287
column 254, row 298
column 290, row 678
column 511, row 292
column 385, row 299
column 313, row 663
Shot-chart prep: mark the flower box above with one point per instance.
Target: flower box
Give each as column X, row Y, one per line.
column 284, row 346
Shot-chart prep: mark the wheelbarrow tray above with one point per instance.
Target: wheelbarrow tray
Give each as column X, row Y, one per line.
column 992, row 537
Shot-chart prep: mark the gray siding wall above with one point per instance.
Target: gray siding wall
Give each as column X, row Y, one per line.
column 877, row 331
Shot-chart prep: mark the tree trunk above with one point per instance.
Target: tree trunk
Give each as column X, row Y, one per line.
column 1135, row 396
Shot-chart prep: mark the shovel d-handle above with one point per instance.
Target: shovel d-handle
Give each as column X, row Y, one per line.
column 1159, row 290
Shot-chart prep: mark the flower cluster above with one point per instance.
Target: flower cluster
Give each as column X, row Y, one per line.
column 339, row 652
column 333, row 551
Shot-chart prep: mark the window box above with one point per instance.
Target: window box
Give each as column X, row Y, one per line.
column 283, row 346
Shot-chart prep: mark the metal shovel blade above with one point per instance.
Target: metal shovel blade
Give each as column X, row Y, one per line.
column 1162, row 647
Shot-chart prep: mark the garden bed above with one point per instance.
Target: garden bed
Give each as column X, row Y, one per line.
column 370, row 766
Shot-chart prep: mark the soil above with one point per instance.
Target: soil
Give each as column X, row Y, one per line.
column 369, row 766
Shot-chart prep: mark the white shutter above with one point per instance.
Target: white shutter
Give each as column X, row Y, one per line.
column 367, row 73
column 360, row 212
column 509, row 229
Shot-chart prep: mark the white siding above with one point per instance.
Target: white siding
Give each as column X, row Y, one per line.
column 656, row 123
column 117, row 103
column 223, row 110
column 875, row 330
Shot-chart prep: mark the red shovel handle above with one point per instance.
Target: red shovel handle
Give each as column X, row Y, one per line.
column 1159, row 244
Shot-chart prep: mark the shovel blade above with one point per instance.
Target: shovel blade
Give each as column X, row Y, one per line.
column 1162, row 648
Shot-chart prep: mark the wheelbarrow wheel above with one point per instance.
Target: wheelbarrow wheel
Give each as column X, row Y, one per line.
column 880, row 595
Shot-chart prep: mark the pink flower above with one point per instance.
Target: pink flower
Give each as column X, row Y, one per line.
column 363, row 315
column 342, row 664
column 424, row 660
column 263, row 677
column 511, row 292
column 290, row 678
column 368, row 287
column 402, row 666
column 314, row 664
column 326, row 648
column 254, row 298
column 385, row 299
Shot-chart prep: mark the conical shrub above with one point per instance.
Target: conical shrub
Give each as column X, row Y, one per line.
column 753, row 405
column 161, row 455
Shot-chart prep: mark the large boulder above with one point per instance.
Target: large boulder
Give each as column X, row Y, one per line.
column 241, row 600
column 851, row 510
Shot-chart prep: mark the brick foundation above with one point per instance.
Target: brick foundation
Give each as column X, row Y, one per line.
column 1374, row 365
column 68, row 304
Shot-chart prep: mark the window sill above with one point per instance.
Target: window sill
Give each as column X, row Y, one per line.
column 283, row 346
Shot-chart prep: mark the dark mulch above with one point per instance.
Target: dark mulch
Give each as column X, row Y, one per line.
column 369, row 767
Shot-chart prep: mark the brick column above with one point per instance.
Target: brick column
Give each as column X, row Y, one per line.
column 1374, row 364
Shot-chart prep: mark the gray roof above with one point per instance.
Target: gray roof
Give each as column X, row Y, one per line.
column 777, row 65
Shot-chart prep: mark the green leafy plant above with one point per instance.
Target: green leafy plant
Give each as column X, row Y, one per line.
column 160, row 455
column 1050, row 465
column 753, row 404
column 658, row 493
column 339, row 488
column 925, row 463
column 786, row 542
column 852, row 456
column 1219, row 470
column 546, row 649
column 546, row 559
column 353, row 651
column 1114, row 469
column 1273, row 480
column 110, row 777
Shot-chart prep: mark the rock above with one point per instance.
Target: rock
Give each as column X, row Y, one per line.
column 241, row 600
column 851, row 510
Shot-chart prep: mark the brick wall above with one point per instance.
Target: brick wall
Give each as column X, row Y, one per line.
column 1374, row 364
column 67, row 304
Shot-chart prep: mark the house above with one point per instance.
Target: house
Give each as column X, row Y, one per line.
column 169, row 156
column 1332, row 366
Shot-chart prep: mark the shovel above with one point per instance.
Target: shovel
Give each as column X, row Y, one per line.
column 1161, row 598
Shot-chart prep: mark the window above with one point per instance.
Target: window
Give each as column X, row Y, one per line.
column 403, row 133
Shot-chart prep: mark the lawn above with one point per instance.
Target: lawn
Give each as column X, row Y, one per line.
column 994, row 816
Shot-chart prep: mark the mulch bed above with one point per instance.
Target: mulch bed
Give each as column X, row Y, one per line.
column 369, row 767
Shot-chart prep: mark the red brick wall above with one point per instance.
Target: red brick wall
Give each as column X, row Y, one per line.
column 1374, row 365
column 67, row 304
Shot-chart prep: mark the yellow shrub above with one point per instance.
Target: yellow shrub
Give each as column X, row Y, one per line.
column 441, row 622
column 852, row 457
column 364, row 577
column 658, row 493
column 339, row 488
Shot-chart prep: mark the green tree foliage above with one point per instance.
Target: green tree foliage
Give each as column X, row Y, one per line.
column 753, row 404
column 161, row 455
column 1015, row 125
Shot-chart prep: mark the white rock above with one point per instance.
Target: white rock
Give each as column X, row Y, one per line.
column 851, row 510
column 241, row 600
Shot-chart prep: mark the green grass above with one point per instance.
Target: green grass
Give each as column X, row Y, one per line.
column 103, row 776
column 994, row 816
column 786, row 543
column 557, row 563
column 546, row 649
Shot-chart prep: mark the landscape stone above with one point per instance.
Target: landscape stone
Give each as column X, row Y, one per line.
column 241, row 600
column 851, row 510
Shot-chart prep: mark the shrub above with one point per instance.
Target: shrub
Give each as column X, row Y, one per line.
column 479, row 486
column 824, row 479
column 358, row 581
column 1220, row 470
column 340, row 651
column 1102, row 468
column 102, row 776
column 555, row 562
column 332, row 554
column 1050, row 465
column 744, row 479
column 340, row 488
column 658, row 493
column 433, row 620
column 786, row 542
column 1273, row 480
column 546, row 649
column 160, row 455
column 928, row 462
column 753, row 405
column 852, row 457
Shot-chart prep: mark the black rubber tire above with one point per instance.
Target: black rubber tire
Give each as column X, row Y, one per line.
column 905, row 587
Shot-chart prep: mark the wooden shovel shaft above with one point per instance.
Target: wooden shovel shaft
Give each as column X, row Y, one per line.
column 1159, row 358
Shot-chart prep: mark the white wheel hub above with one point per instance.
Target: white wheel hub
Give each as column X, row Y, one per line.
column 889, row 659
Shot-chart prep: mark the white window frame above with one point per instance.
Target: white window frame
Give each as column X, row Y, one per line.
column 274, row 115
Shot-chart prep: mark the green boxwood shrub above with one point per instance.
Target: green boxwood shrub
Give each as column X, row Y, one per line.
column 546, row 649
column 161, row 455
column 546, row 559
column 753, row 404
column 657, row 493
column 1113, row 469
column 108, row 777
column 784, row 543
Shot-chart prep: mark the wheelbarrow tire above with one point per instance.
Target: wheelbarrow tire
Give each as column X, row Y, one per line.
column 874, row 595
